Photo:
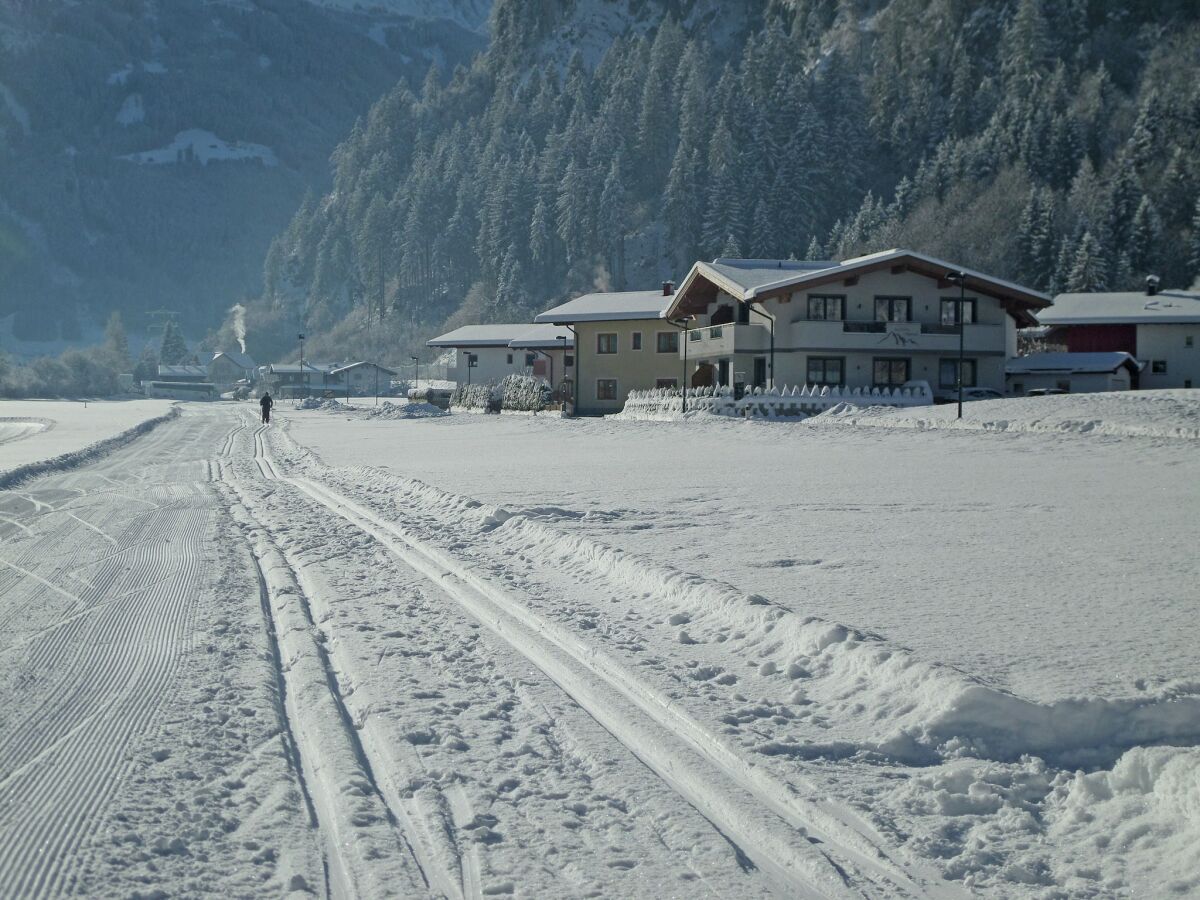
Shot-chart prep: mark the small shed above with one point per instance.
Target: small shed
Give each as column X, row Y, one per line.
column 1076, row 373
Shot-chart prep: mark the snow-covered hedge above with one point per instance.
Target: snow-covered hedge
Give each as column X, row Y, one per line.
column 519, row 393
column 795, row 402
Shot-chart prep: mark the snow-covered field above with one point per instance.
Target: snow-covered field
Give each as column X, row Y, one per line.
column 35, row 430
column 473, row 655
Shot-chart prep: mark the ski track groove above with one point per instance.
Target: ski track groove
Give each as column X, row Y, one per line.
column 631, row 719
column 106, row 677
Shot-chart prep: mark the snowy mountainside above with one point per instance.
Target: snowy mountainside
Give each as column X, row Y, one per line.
column 114, row 118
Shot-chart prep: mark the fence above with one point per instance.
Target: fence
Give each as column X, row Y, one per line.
column 775, row 403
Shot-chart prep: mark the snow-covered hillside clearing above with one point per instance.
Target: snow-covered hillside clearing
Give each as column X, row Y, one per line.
column 478, row 655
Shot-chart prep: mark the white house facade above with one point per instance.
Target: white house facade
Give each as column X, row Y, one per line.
column 623, row 344
column 874, row 321
column 490, row 353
column 1159, row 328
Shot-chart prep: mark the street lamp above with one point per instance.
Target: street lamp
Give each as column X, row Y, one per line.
column 959, row 278
column 303, row 380
column 682, row 326
column 417, row 372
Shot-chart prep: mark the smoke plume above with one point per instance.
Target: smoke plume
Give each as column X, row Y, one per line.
column 239, row 324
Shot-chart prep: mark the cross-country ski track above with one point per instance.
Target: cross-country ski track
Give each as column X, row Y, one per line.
column 228, row 667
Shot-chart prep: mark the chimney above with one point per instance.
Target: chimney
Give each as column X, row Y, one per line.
column 1151, row 285
column 668, row 288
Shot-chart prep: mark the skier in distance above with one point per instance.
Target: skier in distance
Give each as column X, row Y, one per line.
column 266, row 403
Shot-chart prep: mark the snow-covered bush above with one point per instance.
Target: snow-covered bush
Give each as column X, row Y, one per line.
column 797, row 402
column 471, row 396
column 520, row 393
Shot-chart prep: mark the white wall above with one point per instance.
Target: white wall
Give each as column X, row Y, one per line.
column 632, row 369
column 494, row 364
column 1168, row 343
column 1076, row 383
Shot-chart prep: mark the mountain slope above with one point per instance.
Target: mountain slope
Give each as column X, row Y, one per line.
column 149, row 151
column 614, row 141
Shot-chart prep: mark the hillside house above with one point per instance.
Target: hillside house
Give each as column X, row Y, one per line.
column 874, row 321
column 182, row 374
column 228, row 368
column 1075, row 373
column 360, row 379
column 622, row 344
column 489, row 353
column 1158, row 328
column 287, row 380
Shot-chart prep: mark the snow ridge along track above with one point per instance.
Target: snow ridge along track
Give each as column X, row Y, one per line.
column 780, row 833
column 13, row 477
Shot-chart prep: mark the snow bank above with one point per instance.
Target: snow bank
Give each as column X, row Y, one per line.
column 1169, row 414
column 14, row 476
column 893, row 701
column 406, row 411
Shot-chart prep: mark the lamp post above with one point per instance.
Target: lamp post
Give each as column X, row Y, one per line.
column 578, row 366
column 771, row 359
column 959, row 278
column 682, row 325
column 417, row 372
column 303, row 380
column 563, row 338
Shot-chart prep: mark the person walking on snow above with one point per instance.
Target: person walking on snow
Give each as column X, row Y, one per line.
column 266, row 403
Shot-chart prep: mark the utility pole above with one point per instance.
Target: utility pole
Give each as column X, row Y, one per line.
column 959, row 278
column 303, row 379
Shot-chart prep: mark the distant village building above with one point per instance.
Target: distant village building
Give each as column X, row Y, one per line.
column 286, row 380
column 488, row 353
column 185, row 374
column 180, row 383
column 229, row 368
column 1159, row 328
column 361, row 379
column 874, row 321
column 623, row 344
column 1073, row 373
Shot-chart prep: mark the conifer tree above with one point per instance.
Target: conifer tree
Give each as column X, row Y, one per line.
column 1144, row 237
column 1088, row 267
column 1194, row 254
column 173, row 350
column 116, row 343
column 723, row 212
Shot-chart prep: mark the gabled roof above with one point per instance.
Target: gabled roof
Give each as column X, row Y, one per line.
column 241, row 360
column 355, row 365
column 292, row 369
column 1123, row 308
column 543, row 337
column 182, row 372
column 608, row 306
column 750, row 281
column 1072, row 363
column 499, row 335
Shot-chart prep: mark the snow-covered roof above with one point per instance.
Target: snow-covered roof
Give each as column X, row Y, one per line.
column 499, row 335
column 293, row 369
column 182, row 372
column 544, row 337
column 609, row 306
column 355, row 365
column 1123, row 308
column 241, row 360
column 1080, row 363
column 749, row 280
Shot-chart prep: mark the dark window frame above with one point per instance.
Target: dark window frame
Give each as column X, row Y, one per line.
column 658, row 383
column 970, row 366
column 672, row 336
column 600, row 381
column 891, row 360
column 600, row 343
column 1158, row 367
column 825, row 361
column 635, row 340
column 821, row 302
column 891, row 300
column 950, row 305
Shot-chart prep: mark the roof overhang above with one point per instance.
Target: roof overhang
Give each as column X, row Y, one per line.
column 703, row 282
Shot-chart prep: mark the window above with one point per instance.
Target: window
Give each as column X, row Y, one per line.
column 635, row 341
column 667, row 383
column 948, row 373
column 714, row 334
column 530, row 359
column 950, row 311
column 1158, row 366
column 668, row 342
column 826, row 306
column 606, row 389
column 510, row 359
column 826, row 370
column 569, row 361
column 891, row 371
column 893, row 309
column 606, row 343
column 695, row 335
column 1188, row 340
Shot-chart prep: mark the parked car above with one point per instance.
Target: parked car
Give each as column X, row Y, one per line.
column 1044, row 392
column 971, row 393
